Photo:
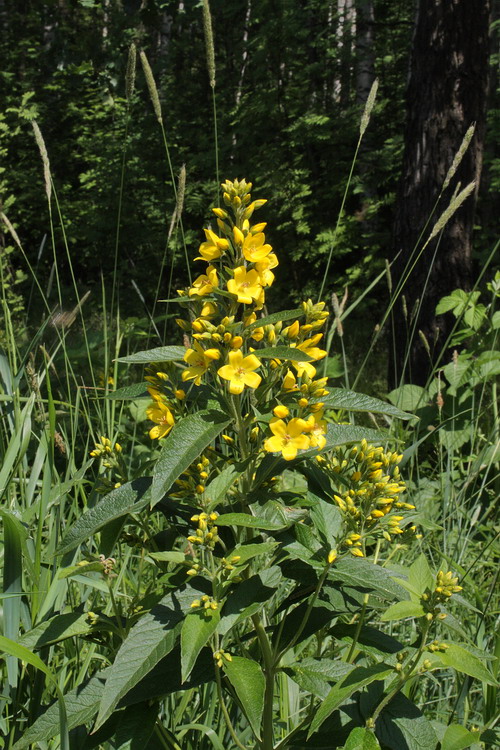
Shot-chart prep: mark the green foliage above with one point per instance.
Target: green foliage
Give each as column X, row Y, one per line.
column 247, row 597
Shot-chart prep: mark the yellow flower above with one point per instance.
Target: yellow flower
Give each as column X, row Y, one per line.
column 213, row 247
column 160, row 413
column 240, row 371
column 205, row 284
column 199, row 360
column 287, row 438
column 316, row 427
column 246, row 285
column 309, row 347
column 208, row 310
column 289, row 381
column 263, row 268
column 254, row 247
column 281, row 411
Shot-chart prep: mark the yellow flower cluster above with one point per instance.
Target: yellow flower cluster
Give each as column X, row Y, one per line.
column 206, row 534
column 223, row 304
column 105, row 448
column 167, row 402
column 446, row 585
column 206, row 602
column 192, row 482
column 370, row 501
column 220, row 655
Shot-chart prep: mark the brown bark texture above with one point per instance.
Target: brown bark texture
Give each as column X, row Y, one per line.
column 447, row 92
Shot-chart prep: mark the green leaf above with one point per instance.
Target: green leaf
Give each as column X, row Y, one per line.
column 464, row 661
column 315, row 675
column 197, row 628
column 249, row 597
column 169, row 556
column 338, row 398
column 358, row 572
column 446, row 304
column 357, row 678
column 249, row 682
column 327, row 520
column 283, row 352
column 371, row 638
column 77, row 570
column 278, row 317
column 401, row 610
column 361, row 739
column 457, row 737
column 14, row 534
column 138, row 390
column 409, row 397
column 8, row 646
column 24, row 654
column 248, row 551
column 421, row 579
column 82, row 704
column 247, row 521
column 217, row 489
column 17, row 446
column 401, row 725
column 135, row 727
column 129, row 498
column 160, row 354
column 56, row 629
column 152, row 638
column 184, row 444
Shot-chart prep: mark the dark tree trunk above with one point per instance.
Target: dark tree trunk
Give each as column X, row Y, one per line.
column 446, row 93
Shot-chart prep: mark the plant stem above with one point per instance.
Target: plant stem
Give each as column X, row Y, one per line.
column 269, row 670
column 307, row 614
column 404, row 677
column 225, row 711
column 361, row 619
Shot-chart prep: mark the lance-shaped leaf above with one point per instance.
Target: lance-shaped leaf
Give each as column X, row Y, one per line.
column 249, row 682
column 361, row 739
column 160, row 354
column 339, row 398
column 217, row 489
column 56, row 629
column 197, row 628
column 82, row 704
column 461, row 659
column 247, row 521
column 361, row 573
column 402, row 725
column 129, row 498
column 283, row 352
column 137, row 390
column 152, row 638
column 357, row 678
column 278, row 317
column 402, row 610
column 185, row 443
column 249, row 597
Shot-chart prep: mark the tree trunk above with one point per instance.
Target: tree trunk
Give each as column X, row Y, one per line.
column 446, row 93
column 365, row 52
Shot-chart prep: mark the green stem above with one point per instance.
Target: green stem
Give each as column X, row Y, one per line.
column 307, row 614
column 404, row 677
column 225, row 711
column 269, row 671
column 361, row 619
